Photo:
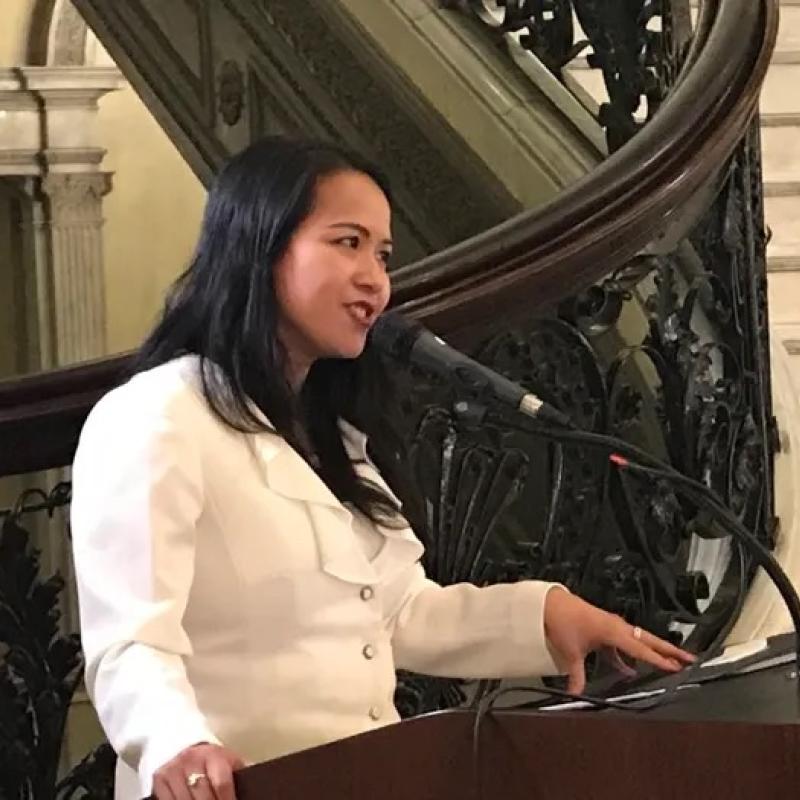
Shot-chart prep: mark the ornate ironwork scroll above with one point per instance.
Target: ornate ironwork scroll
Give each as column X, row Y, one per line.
column 670, row 353
column 40, row 668
column 634, row 43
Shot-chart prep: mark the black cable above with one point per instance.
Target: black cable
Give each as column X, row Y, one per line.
column 667, row 691
column 671, row 684
column 626, row 456
column 488, row 702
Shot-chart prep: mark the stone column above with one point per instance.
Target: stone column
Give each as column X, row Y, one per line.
column 51, row 148
column 54, row 145
column 75, row 219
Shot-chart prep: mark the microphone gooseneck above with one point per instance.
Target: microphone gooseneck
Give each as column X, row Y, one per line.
column 410, row 343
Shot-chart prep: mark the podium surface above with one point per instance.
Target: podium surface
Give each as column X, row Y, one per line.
column 737, row 738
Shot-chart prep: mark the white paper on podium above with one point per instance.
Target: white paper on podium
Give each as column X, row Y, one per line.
column 630, row 697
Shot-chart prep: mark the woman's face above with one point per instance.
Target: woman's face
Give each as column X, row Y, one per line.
column 331, row 283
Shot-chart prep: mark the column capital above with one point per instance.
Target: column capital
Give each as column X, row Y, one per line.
column 75, row 191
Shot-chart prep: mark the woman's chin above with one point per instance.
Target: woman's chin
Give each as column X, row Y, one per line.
column 350, row 350
column 353, row 352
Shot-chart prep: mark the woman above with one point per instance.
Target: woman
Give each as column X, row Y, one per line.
column 247, row 585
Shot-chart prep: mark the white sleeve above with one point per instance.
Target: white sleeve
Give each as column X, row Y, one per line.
column 463, row 631
column 137, row 495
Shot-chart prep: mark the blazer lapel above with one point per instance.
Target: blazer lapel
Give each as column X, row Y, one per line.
column 287, row 473
column 355, row 443
column 402, row 546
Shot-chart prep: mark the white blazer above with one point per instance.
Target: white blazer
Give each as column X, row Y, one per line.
column 226, row 596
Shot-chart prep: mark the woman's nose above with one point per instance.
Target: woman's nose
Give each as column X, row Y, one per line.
column 371, row 273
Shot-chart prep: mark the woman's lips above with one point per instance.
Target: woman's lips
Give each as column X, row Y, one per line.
column 361, row 313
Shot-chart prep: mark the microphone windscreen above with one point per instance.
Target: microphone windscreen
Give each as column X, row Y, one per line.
column 395, row 335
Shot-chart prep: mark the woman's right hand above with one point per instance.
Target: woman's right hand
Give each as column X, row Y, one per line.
column 212, row 767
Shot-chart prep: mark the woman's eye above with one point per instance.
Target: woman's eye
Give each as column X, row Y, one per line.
column 349, row 241
column 385, row 256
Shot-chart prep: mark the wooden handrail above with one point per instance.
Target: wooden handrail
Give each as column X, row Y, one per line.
column 41, row 415
column 542, row 256
column 521, row 266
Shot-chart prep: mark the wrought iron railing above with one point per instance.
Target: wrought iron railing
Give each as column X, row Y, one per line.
column 638, row 47
column 669, row 350
column 42, row 666
column 635, row 302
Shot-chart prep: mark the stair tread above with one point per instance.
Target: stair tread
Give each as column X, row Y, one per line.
column 781, row 153
column 783, row 289
column 789, row 29
column 779, row 120
column 783, row 264
column 782, row 218
column 779, row 94
column 786, row 57
column 782, row 188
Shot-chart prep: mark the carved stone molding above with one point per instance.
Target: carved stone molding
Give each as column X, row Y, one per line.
column 19, row 162
column 74, row 220
column 81, row 86
column 50, row 112
column 351, row 92
column 73, row 156
column 50, row 120
column 49, row 138
column 514, row 120
column 306, row 69
column 75, row 197
column 68, row 34
column 231, row 92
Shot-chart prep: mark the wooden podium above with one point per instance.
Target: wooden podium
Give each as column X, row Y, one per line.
column 738, row 740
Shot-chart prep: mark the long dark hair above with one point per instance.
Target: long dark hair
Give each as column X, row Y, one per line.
column 224, row 309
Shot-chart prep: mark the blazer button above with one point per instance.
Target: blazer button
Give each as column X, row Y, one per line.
column 367, row 593
column 374, row 713
column 368, row 651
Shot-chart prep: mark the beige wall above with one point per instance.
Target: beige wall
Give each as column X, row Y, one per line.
column 152, row 216
column 15, row 21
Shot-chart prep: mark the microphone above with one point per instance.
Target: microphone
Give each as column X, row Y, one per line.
column 411, row 343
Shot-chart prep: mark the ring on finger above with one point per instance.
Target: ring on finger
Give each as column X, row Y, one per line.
column 637, row 632
column 195, row 778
